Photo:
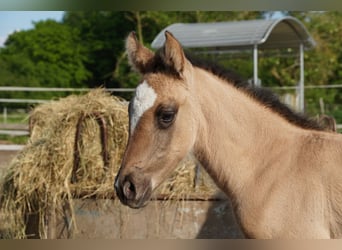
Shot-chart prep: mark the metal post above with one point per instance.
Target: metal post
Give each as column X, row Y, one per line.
column 301, row 79
column 255, row 65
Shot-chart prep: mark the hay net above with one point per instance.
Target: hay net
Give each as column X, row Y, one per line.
column 74, row 150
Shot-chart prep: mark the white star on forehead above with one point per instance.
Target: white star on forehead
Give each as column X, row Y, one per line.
column 144, row 99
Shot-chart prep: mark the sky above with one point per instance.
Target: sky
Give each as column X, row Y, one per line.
column 11, row 21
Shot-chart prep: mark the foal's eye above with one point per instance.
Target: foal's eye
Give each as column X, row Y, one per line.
column 165, row 117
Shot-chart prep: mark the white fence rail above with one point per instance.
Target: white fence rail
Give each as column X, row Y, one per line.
column 11, row 147
column 8, row 130
column 45, row 89
column 13, row 100
column 41, row 89
column 332, row 86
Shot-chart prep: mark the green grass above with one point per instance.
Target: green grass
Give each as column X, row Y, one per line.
column 14, row 118
column 19, row 139
column 19, row 117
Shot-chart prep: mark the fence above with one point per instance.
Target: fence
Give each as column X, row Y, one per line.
column 321, row 99
column 288, row 94
column 13, row 120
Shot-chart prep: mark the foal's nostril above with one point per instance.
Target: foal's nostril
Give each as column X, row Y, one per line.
column 129, row 190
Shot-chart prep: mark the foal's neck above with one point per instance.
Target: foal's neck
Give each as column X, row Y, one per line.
column 238, row 137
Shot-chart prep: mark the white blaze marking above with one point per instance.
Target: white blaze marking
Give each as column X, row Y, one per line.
column 144, row 99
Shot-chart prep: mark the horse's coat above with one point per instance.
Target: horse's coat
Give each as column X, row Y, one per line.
column 282, row 172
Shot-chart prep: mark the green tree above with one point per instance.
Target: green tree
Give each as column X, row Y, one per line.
column 325, row 61
column 102, row 34
column 322, row 63
column 49, row 55
column 148, row 24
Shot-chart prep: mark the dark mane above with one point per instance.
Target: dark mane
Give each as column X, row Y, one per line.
column 262, row 95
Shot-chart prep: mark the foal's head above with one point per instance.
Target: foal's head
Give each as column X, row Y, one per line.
column 162, row 119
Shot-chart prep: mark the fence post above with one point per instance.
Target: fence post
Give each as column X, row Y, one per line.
column 5, row 114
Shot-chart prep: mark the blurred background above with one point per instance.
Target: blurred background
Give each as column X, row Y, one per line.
column 45, row 55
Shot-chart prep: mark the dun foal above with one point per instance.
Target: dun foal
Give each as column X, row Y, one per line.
column 282, row 172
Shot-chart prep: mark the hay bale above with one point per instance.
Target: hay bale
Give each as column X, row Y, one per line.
column 39, row 177
column 75, row 149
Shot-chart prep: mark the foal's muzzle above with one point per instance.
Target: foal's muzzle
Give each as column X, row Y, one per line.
column 133, row 190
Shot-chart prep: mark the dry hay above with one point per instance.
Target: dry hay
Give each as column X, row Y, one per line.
column 75, row 148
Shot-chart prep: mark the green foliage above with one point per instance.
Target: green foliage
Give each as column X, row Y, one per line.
column 322, row 63
column 48, row 56
column 21, row 139
column 86, row 49
column 103, row 34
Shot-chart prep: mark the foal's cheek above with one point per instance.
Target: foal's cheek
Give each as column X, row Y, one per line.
column 187, row 134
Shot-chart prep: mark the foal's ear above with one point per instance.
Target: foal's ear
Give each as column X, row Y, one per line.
column 138, row 55
column 173, row 54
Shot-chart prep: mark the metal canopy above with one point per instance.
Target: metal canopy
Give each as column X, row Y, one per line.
column 286, row 32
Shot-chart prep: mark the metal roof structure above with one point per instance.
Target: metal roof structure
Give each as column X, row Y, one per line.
column 285, row 32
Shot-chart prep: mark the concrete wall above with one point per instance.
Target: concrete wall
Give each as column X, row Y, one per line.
column 185, row 219
column 108, row 219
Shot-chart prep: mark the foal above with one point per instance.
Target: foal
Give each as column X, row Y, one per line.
column 282, row 172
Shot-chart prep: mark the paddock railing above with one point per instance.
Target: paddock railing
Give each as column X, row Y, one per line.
column 12, row 121
column 8, row 127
